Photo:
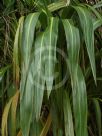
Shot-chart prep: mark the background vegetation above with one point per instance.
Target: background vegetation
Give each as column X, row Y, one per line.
column 32, row 102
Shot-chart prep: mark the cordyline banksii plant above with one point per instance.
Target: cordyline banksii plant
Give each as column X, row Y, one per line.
column 53, row 56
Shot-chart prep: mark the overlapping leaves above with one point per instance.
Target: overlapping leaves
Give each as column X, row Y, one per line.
column 77, row 80
column 36, row 65
column 42, row 63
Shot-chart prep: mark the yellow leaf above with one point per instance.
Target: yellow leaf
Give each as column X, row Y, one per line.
column 5, row 118
column 13, row 112
column 47, row 126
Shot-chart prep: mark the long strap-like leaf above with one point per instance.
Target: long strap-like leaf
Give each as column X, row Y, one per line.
column 37, row 71
column 80, row 104
column 26, row 95
column 27, row 42
column 68, row 120
column 43, row 65
column 28, row 37
column 73, row 46
column 17, row 44
column 88, row 31
column 77, row 80
column 97, row 109
column 50, row 41
column 4, row 128
column 14, row 105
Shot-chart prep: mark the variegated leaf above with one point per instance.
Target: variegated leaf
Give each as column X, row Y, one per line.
column 50, row 41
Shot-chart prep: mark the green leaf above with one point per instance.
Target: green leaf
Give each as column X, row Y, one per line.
column 50, row 41
column 88, row 32
column 68, row 120
column 26, row 87
column 36, row 128
column 98, row 115
column 26, row 106
column 77, row 79
column 80, row 104
column 27, row 42
column 73, row 46
column 28, row 37
column 97, row 14
column 56, row 115
column 97, row 24
column 58, row 5
column 3, row 70
column 39, row 81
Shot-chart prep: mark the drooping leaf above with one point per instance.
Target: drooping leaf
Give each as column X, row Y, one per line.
column 43, row 67
column 28, row 37
column 36, row 127
column 68, row 120
column 97, row 14
column 13, row 112
column 16, row 50
column 38, row 73
column 97, row 110
column 26, row 87
column 77, row 79
column 73, row 46
column 97, row 24
column 27, row 42
column 5, row 118
column 80, row 104
column 88, row 32
column 26, row 105
column 56, row 119
column 50, row 41
column 46, row 126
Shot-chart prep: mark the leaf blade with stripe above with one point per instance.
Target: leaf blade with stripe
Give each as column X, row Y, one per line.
column 86, row 21
column 50, row 41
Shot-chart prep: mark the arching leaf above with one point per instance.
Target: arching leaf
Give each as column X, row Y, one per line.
column 50, row 41
column 68, row 120
column 77, row 79
column 88, row 32
column 26, row 93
